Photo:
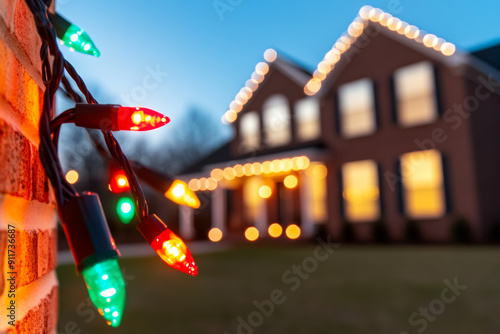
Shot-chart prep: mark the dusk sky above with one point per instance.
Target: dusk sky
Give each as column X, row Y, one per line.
column 204, row 51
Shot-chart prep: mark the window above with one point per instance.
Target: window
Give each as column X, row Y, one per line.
column 415, row 94
column 307, row 116
column 357, row 108
column 252, row 201
column 423, row 190
column 276, row 113
column 316, row 175
column 250, row 133
column 361, row 191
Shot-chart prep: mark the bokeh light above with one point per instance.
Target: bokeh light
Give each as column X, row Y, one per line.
column 251, row 234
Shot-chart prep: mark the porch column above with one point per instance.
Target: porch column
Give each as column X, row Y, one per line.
column 186, row 222
column 261, row 218
column 306, row 210
column 219, row 209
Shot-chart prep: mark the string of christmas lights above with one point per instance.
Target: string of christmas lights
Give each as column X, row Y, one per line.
column 81, row 214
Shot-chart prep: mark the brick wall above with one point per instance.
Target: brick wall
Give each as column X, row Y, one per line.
column 24, row 192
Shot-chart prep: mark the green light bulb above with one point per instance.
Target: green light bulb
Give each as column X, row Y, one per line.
column 106, row 289
column 125, row 209
column 72, row 36
column 78, row 40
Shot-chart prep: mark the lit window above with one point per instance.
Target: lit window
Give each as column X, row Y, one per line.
column 277, row 120
column 361, row 191
column 307, row 116
column 415, row 94
column 316, row 177
column 249, row 128
column 357, row 108
column 251, row 198
column 423, row 191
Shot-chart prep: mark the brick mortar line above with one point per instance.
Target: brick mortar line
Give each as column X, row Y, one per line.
column 21, row 55
column 11, row 117
column 30, row 296
column 43, row 215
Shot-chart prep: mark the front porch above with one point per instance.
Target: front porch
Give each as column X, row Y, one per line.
column 245, row 198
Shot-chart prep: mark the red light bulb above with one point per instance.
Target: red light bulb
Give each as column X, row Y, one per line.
column 119, row 182
column 114, row 117
column 174, row 252
column 171, row 249
column 140, row 119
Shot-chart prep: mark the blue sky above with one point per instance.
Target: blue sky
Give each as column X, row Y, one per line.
column 203, row 56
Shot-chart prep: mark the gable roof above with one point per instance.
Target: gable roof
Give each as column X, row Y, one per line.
column 289, row 68
column 490, row 54
column 392, row 27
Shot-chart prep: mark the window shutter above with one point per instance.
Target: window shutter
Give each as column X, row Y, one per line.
column 380, row 172
column 399, row 188
column 341, row 193
column 376, row 108
column 336, row 113
column 394, row 100
column 437, row 91
column 446, row 182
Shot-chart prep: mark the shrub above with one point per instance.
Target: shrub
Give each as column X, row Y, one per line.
column 322, row 233
column 460, row 230
column 379, row 231
column 347, row 232
column 412, row 231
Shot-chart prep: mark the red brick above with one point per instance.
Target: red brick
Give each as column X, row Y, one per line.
column 7, row 13
column 53, row 249
column 20, row 91
column 47, row 254
column 52, row 310
column 41, row 319
column 36, row 254
column 43, row 241
column 26, row 257
column 39, row 181
column 15, row 156
column 25, row 31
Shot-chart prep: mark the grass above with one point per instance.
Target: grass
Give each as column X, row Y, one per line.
column 356, row 290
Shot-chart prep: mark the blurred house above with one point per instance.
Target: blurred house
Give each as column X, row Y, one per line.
column 395, row 126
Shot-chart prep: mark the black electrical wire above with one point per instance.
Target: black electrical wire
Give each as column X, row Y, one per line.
column 52, row 77
column 111, row 143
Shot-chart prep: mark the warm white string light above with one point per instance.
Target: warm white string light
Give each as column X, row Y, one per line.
column 249, row 169
column 251, row 85
column 355, row 29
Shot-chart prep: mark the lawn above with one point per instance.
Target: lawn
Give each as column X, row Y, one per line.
column 366, row 289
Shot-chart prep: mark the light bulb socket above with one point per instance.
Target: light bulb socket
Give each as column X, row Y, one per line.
column 151, row 227
column 87, row 231
column 59, row 23
column 97, row 116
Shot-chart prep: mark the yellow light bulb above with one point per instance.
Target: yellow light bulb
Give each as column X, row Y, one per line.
column 275, row 230
column 180, row 193
column 265, row 192
column 215, row 235
column 72, row 176
column 293, row 231
column 251, row 234
column 217, row 174
column 290, row 181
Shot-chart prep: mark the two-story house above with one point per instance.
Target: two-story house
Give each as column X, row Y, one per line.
column 394, row 126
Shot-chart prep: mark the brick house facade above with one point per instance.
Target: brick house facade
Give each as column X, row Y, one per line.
column 403, row 123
